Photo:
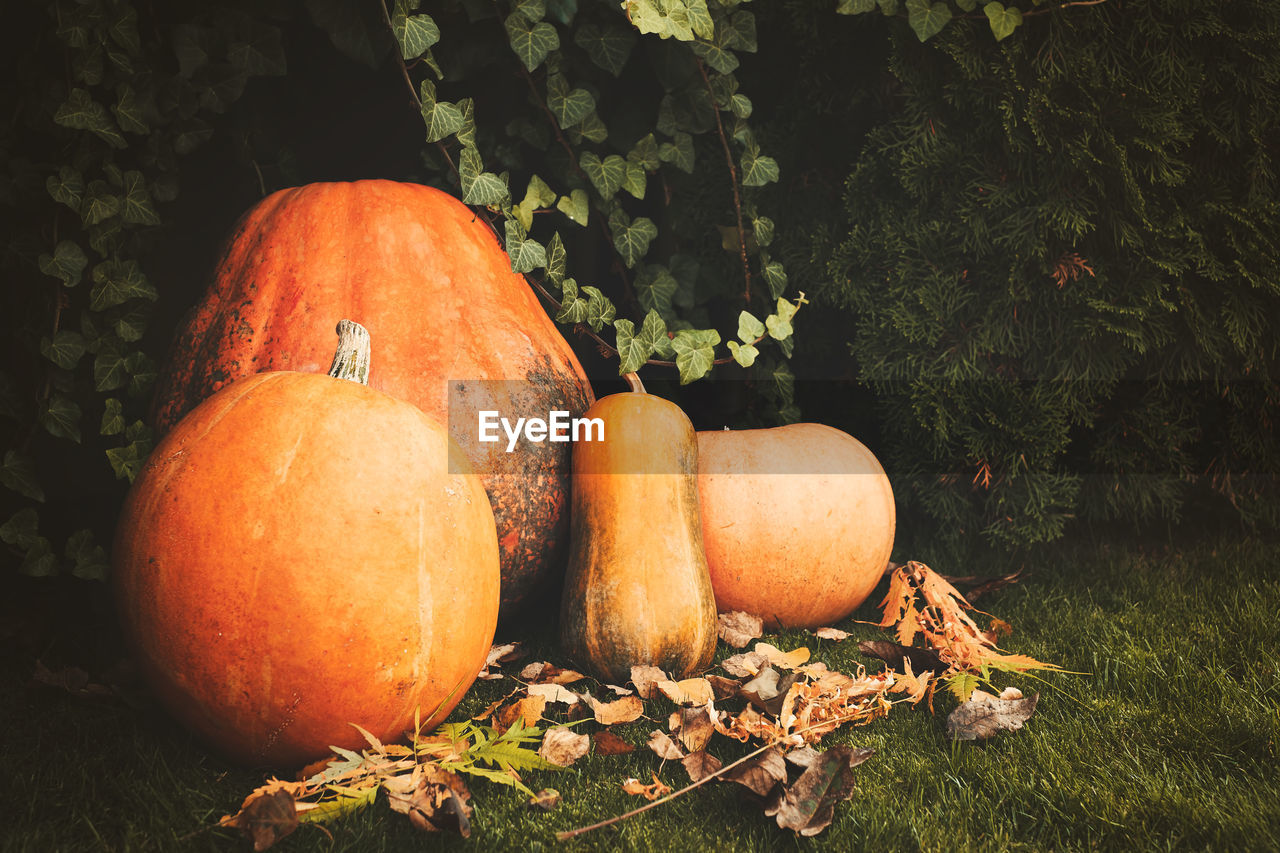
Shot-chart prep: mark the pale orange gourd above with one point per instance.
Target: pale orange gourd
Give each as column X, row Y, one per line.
column 798, row 522
column 300, row 553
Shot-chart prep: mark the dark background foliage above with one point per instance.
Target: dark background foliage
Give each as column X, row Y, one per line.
column 1042, row 270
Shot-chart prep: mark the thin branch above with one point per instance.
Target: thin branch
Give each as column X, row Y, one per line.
column 417, row 99
column 733, row 183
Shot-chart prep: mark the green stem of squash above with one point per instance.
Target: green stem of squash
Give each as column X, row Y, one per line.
column 351, row 358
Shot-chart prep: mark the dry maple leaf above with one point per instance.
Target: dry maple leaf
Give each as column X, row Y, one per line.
column 562, row 747
column 649, row 792
column 808, row 804
column 528, row 710
column 265, row 817
column 738, row 628
column 984, row 715
column 607, row 743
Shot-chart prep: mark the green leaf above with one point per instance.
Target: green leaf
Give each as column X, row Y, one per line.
column 762, row 227
column 142, row 373
column 716, row 54
column 127, row 460
column 88, row 559
column 259, row 52
column 855, row 7
column 356, row 29
column 631, row 237
column 664, row 18
column 137, row 206
column 1003, row 20
column 130, row 321
column 61, row 417
column 127, row 111
column 740, row 106
column 927, row 19
column 109, row 369
column 779, row 324
column 645, row 153
column 569, row 107
column 531, row 42
column 67, row 262
column 757, row 169
column 480, row 187
column 632, row 352
column 112, row 418
column 743, row 354
column 749, row 328
column 99, row 203
column 654, row 287
column 67, row 188
column 609, row 47
column 22, row 529
column 537, row 196
column 64, row 349
column 416, row 34
column 970, row 5
column 556, row 258
column 467, row 133
column 117, row 282
column 695, row 353
column 573, row 309
column 18, row 474
column 526, row 255
column 599, row 309
column 606, row 175
column 82, row 112
column 634, row 179
column 591, row 128
column 123, row 29
column 575, row 206
column 441, row 117
column 776, row 277
column 740, row 34
column 531, row 10
column 678, row 152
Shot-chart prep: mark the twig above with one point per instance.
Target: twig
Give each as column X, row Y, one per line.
column 733, row 183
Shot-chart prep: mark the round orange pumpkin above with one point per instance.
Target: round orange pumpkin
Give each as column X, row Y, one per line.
column 458, row 332
column 301, row 553
column 797, row 521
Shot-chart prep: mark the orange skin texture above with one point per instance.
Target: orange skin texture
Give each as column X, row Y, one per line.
column 637, row 591
column 297, row 555
column 436, row 291
column 798, row 522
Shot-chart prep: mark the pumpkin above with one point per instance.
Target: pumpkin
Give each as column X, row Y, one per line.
column 798, row 522
column 301, row 553
column 636, row 589
column 458, row 333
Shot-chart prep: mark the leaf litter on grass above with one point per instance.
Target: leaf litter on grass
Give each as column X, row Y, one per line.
column 779, row 698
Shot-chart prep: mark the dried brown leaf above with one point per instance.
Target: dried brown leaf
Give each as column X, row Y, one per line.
column 779, row 658
column 699, row 765
column 607, row 743
column 738, row 628
column 546, row 799
column 723, row 688
column 527, row 710
column 649, row 792
column 554, row 693
column 562, row 747
column 831, row 634
column 646, row 678
column 664, row 747
column 70, row 679
column 759, row 774
column 745, row 664
column 440, row 802
column 542, row 672
column 266, row 817
column 893, row 654
column 498, row 655
column 690, row 691
column 804, row 756
column 985, row 715
column 693, row 726
column 622, row 710
column 808, row 804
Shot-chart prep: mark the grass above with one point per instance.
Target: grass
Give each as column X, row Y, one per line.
column 1171, row 742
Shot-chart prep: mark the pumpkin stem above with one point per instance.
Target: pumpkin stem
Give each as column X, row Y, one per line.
column 351, row 358
column 633, row 382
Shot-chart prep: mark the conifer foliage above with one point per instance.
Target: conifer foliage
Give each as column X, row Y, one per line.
column 1061, row 256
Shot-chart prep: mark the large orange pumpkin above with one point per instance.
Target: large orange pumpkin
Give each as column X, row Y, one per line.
column 798, row 522
column 301, row 553
column 417, row 267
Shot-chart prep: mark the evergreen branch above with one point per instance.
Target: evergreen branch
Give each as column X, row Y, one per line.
column 733, row 183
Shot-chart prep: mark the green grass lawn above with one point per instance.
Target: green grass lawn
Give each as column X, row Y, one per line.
column 1172, row 741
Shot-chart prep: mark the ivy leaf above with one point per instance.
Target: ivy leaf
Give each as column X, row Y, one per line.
column 137, row 207
column 568, row 106
column 695, row 352
column 740, row 34
column 127, row 111
column 592, row 127
column 67, row 188
column 743, row 354
column 776, row 277
column 64, row 349
column 441, row 117
column 575, row 206
column 82, row 112
column 131, row 321
column 67, row 262
column 109, row 369
column 678, row 152
column 762, row 227
column 127, row 460
column 526, row 255
column 416, row 34
column 18, row 474
column 634, row 180
column 757, row 169
column 537, row 195
column 716, row 54
column 1003, row 20
column 609, row 47
column 88, row 559
column 607, row 174
column 573, row 309
column 531, row 42
column 22, row 530
column 927, row 19
column 480, row 187
column 645, row 153
column 631, row 237
column 855, row 7
column 99, row 203
column 531, row 10
column 967, row 5
column 118, row 282
column 467, row 132
column 353, row 28
column 599, row 309
column 632, row 352
column 556, row 258
column 142, row 373
column 749, row 328
column 779, row 324
column 665, row 18
column 259, row 52
column 654, row 287
column 61, row 417
column 112, row 418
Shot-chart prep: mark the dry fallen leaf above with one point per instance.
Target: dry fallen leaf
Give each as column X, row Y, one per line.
column 562, row 747
column 546, row 799
column 440, row 802
column 699, row 765
column 786, row 660
column 665, row 747
column 528, row 710
column 893, row 654
column 265, row 818
column 723, row 688
column 622, row 710
column 985, row 715
column 554, row 693
column 693, row 726
column 691, row 691
column 498, row 655
column 543, row 672
column 738, row 628
column 744, row 664
column 646, row 678
column 808, row 804
column 761, row 773
column 607, row 743
column 649, row 792
column 831, row 634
